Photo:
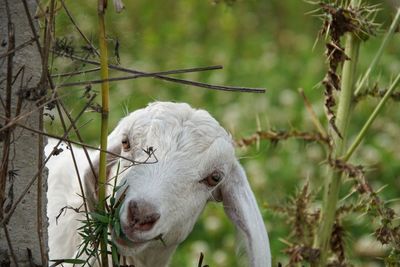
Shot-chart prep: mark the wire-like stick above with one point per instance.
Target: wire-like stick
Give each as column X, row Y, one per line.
column 151, row 74
column 23, row 115
column 73, row 73
column 314, row 118
column 21, row 46
column 170, row 79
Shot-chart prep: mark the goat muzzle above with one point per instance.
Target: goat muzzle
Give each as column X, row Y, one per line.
column 141, row 217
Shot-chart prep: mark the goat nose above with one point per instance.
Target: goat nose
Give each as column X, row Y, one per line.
column 141, row 215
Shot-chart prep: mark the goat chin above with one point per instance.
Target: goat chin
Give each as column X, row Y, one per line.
column 169, row 160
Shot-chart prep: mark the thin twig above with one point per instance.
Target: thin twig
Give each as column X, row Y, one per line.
column 371, row 119
column 78, row 29
column 32, row 26
column 23, row 45
column 24, row 192
column 385, row 41
column 60, row 105
column 151, row 74
column 73, row 155
column 26, row 114
column 9, row 243
column 39, row 204
column 74, row 159
column 73, row 73
column 170, row 79
column 314, row 118
column 375, row 92
column 20, row 98
column 40, row 169
column 48, row 31
column 64, row 139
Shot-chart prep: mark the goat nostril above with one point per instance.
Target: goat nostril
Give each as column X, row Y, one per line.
column 141, row 216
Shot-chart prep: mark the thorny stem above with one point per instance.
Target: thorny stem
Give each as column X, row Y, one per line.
column 332, row 186
column 346, row 95
column 378, row 55
column 371, row 119
column 104, row 122
column 275, row 136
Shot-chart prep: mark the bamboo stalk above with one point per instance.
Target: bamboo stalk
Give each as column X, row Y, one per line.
column 104, row 122
column 333, row 184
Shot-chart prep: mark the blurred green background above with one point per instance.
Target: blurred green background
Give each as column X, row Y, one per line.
column 266, row 44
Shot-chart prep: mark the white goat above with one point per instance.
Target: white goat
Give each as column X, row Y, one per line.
column 196, row 164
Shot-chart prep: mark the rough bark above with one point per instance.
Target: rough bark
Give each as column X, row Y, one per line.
column 22, row 226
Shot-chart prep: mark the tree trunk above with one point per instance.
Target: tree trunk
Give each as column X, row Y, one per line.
column 23, row 220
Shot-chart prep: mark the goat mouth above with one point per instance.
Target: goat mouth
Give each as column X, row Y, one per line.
column 123, row 240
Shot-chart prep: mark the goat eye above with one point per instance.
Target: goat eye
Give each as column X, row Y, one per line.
column 125, row 144
column 213, row 179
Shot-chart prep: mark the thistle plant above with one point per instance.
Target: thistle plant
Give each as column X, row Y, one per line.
column 354, row 20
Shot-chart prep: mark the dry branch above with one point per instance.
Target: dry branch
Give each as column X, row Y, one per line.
column 170, row 79
column 275, row 136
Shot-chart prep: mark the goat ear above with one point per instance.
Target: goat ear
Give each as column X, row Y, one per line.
column 90, row 176
column 241, row 207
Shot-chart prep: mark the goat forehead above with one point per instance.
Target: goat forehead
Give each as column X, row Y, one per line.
column 178, row 169
column 173, row 127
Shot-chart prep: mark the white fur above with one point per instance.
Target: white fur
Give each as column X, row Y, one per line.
column 189, row 145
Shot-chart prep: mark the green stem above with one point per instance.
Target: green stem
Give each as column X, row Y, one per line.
column 104, row 123
column 347, row 89
column 371, row 119
column 332, row 187
column 378, row 55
